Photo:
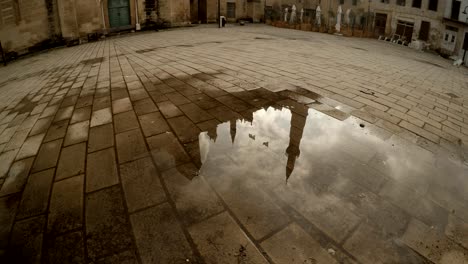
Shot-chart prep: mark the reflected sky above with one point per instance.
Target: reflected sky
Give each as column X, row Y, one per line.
column 309, row 135
column 318, row 165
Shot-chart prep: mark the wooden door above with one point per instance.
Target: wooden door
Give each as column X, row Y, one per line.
column 119, row 13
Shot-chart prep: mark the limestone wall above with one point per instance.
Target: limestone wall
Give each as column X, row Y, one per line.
column 24, row 25
column 176, row 12
column 212, row 10
column 88, row 16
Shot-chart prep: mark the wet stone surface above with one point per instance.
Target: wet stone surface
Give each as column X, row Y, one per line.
column 151, row 149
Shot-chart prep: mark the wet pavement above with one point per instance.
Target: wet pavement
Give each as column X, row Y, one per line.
column 153, row 148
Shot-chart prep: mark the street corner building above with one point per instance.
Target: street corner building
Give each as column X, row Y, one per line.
column 438, row 25
column 29, row 25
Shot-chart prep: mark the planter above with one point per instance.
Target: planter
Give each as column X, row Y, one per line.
column 369, row 35
column 357, row 33
column 347, row 33
column 306, row 27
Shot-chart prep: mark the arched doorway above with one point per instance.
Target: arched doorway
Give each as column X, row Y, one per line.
column 119, row 14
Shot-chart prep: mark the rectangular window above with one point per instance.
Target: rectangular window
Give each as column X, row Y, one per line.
column 341, row 2
column 433, row 5
column 231, row 10
column 456, row 5
column 446, row 37
column 453, row 39
column 354, row 2
column 401, row 2
column 417, row 3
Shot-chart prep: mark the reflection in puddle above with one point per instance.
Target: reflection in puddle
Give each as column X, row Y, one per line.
column 293, row 139
column 347, row 183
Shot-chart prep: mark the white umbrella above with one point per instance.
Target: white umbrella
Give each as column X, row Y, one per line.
column 318, row 12
column 338, row 19
column 293, row 15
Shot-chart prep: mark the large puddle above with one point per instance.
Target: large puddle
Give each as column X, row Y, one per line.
column 344, row 181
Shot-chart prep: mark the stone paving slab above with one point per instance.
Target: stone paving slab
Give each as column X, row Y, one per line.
column 138, row 149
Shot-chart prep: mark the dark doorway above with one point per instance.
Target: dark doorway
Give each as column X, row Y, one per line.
column 202, row 16
column 424, row 31
column 119, row 14
column 194, row 11
column 465, row 47
column 456, row 5
column 380, row 24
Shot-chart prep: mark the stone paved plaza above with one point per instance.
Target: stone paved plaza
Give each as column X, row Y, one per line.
column 239, row 145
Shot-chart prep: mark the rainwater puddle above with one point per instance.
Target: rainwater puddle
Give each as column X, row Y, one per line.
column 340, row 180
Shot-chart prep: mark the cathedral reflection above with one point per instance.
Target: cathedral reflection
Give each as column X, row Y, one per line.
column 298, row 121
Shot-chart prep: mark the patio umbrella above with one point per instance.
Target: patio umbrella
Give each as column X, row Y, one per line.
column 338, row 19
column 318, row 12
column 292, row 19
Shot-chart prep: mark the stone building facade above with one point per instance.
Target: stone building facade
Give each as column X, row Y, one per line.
column 408, row 20
column 25, row 24
column 405, row 19
column 29, row 23
column 206, row 11
column 455, row 29
column 233, row 10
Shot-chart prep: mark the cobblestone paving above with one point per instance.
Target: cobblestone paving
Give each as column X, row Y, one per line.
column 240, row 145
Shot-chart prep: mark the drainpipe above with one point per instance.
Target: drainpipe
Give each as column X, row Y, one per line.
column 368, row 13
column 138, row 27
column 77, row 32
column 3, row 55
column 104, row 29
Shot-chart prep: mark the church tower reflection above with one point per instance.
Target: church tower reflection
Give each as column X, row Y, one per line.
column 233, row 129
column 299, row 114
column 298, row 121
column 213, row 133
